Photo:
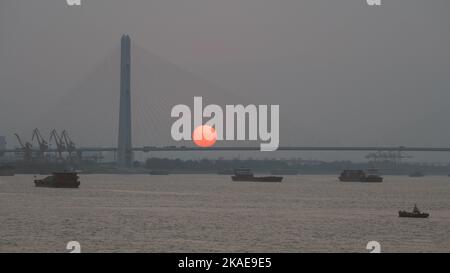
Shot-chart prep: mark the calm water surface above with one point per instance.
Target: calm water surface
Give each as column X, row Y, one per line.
column 209, row 213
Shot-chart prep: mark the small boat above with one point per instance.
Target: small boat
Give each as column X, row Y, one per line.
column 59, row 180
column 412, row 214
column 7, row 170
column 360, row 176
column 246, row 175
column 416, row 213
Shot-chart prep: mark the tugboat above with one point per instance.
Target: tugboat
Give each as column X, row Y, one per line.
column 416, row 213
column 7, row 170
column 59, row 180
column 360, row 176
column 247, row 175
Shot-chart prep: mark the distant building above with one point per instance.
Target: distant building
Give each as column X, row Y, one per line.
column 2, row 144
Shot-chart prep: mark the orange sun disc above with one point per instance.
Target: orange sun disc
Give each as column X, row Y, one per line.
column 204, row 136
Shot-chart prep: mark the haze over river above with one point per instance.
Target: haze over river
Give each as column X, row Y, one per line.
column 209, row 213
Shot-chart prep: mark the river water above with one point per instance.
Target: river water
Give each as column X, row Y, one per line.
column 209, row 213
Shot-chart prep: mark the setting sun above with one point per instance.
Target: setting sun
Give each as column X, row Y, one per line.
column 204, row 136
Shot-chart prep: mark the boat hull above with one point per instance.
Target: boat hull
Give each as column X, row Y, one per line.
column 257, row 179
column 412, row 214
column 43, row 184
column 359, row 176
column 59, row 180
column 364, row 180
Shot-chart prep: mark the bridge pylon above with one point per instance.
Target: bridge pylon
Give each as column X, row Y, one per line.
column 124, row 145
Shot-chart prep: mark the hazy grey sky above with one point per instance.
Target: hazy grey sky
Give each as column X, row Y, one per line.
column 343, row 73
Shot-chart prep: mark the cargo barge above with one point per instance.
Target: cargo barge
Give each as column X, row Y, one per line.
column 246, row 175
column 359, row 176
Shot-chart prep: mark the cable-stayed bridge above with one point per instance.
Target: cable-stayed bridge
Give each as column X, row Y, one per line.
column 125, row 149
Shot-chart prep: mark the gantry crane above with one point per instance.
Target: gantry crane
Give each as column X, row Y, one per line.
column 60, row 147
column 43, row 145
column 387, row 157
column 70, row 145
column 26, row 148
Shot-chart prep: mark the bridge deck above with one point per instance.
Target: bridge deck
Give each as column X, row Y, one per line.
column 256, row 148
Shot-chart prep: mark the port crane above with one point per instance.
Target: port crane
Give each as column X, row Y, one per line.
column 70, row 145
column 43, row 145
column 387, row 156
column 27, row 148
column 60, row 146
